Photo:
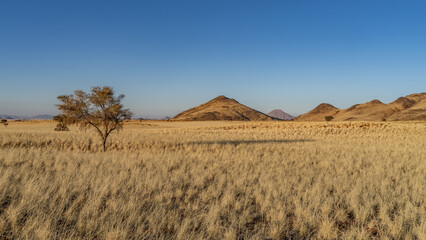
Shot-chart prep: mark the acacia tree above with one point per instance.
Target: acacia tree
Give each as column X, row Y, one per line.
column 99, row 109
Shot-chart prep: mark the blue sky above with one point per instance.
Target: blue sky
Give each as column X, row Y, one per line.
column 168, row 56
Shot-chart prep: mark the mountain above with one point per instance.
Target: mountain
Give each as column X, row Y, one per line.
column 411, row 107
column 280, row 114
column 42, row 117
column 222, row 108
column 416, row 112
column 374, row 110
column 4, row 116
column 318, row 113
column 38, row 117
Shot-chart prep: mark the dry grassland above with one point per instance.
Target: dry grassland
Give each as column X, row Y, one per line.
column 222, row 180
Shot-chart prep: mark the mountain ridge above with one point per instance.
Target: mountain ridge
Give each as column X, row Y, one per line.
column 374, row 110
column 17, row 117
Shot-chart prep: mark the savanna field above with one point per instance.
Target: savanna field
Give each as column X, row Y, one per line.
column 215, row 180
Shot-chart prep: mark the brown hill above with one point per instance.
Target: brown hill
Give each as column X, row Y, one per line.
column 416, row 112
column 417, row 97
column 370, row 111
column 411, row 107
column 403, row 102
column 318, row 113
column 222, row 108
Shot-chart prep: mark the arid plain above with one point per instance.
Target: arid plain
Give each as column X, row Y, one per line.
column 215, row 180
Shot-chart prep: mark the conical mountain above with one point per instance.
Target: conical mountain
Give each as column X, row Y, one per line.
column 318, row 113
column 280, row 114
column 222, row 108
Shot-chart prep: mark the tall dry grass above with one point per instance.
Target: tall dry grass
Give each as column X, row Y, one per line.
column 160, row 180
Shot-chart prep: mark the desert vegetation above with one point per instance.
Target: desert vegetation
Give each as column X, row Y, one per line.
column 4, row 122
column 61, row 123
column 328, row 118
column 100, row 109
column 214, row 180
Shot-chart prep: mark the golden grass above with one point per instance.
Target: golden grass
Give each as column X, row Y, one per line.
column 221, row 180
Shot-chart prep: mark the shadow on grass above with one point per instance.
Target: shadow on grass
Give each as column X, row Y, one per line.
column 248, row 142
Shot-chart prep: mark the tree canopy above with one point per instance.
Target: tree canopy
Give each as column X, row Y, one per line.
column 99, row 109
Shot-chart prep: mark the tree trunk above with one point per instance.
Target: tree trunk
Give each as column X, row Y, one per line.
column 104, row 144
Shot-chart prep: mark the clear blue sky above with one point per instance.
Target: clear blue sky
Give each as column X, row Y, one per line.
column 168, row 56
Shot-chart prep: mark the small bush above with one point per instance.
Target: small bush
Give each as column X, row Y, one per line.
column 4, row 122
column 61, row 126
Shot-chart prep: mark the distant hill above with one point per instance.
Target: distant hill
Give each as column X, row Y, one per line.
column 38, row 117
column 415, row 110
column 318, row 113
column 411, row 107
column 280, row 114
column 222, row 108
column 42, row 117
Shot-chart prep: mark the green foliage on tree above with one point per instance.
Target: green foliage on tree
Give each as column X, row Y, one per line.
column 100, row 109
